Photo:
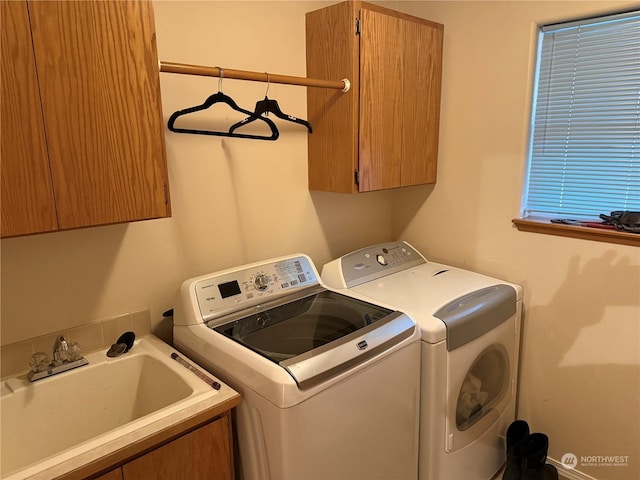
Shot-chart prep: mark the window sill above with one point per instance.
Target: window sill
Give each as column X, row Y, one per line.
column 540, row 225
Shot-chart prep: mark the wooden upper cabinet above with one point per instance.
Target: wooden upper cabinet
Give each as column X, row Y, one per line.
column 99, row 94
column 383, row 133
column 26, row 190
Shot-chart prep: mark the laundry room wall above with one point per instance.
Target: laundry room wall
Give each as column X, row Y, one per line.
column 580, row 372
column 234, row 201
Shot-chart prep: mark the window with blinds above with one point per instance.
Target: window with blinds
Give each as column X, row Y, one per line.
column 584, row 155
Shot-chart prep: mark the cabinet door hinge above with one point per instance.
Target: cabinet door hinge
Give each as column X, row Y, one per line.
column 356, row 177
column 357, row 26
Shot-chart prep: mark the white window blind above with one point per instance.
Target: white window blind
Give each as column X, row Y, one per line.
column 585, row 148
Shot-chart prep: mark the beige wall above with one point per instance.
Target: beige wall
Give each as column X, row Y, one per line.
column 580, row 373
column 236, row 201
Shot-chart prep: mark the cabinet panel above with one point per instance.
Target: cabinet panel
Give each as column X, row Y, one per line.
column 99, row 82
column 422, row 79
column 115, row 474
column 332, row 45
column 203, row 453
column 391, row 136
column 27, row 194
column 381, row 93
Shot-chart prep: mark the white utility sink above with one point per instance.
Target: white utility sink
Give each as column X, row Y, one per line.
column 60, row 417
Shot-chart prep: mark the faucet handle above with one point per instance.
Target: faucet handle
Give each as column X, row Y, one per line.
column 39, row 362
column 75, row 351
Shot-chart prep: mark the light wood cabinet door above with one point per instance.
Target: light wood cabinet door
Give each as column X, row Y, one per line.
column 332, row 48
column 82, row 130
column 99, row 82
column 421, row 102
column 382, row 41
column 26, row 190
column 383, row 133
column 204, row 453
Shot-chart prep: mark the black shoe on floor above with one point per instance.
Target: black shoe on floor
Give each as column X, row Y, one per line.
column 517, row 434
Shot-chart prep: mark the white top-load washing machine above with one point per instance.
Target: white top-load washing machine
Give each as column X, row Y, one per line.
column 470, row 345
column 330, row 384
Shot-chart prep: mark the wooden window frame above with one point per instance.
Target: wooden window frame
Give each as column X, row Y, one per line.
column 542, row 225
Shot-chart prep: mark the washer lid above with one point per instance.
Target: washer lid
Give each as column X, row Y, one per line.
column 318, row 334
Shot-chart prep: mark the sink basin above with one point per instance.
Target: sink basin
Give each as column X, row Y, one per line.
column 60, row 417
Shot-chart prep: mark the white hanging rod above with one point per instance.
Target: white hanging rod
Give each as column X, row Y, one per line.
column 185, row 69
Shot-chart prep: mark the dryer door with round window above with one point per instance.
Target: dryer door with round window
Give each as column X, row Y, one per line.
column 481, row 355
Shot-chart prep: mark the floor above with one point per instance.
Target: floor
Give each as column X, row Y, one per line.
column 499, row 475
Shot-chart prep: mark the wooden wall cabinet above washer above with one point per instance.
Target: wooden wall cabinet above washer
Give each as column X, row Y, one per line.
column 82, row 129
column 383, row 133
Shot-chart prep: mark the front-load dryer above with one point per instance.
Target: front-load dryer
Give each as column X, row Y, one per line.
column 470, row 326
column 330, row 383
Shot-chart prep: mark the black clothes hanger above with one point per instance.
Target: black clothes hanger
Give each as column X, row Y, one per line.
column 220, row 97
column 267, row 106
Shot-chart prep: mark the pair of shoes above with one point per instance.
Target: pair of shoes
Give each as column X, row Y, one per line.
column 527, row 454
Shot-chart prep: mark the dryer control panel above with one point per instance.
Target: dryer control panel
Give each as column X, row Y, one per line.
column 373, row 262
column 228, row 291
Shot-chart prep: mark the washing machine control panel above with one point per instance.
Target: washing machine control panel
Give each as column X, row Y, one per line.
column 377, row 261
column 254, row 284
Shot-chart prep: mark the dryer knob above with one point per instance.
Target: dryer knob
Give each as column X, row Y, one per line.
column 381, row 260
column 261, row 281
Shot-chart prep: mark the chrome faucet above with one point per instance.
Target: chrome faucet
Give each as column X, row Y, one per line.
column 66, row 356
column 60, row 350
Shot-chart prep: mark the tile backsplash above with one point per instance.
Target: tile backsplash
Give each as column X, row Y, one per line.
column 14, row 358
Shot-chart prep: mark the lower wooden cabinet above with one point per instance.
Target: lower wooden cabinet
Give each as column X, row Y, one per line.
column 112, row 475
column 204, row 453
